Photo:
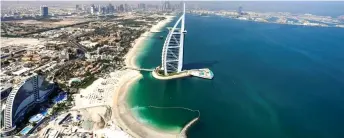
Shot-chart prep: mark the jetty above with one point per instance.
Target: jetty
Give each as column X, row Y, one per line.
column 186, row 127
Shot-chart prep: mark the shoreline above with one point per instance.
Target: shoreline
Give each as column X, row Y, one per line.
column 139, row 42
column 181, row 75
column 122, row 113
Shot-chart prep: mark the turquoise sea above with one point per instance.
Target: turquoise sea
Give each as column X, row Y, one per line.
column 271, row 81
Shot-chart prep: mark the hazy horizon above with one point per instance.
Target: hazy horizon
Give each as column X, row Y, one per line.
column 328, row 8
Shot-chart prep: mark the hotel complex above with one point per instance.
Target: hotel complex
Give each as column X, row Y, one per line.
column 24, row 97
column 172, row 55
column 172, row 52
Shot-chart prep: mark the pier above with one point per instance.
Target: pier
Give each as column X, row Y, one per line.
column 182, row 133
column 186, row 127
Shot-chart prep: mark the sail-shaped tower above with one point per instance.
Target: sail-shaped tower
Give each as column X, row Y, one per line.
column 172, row 52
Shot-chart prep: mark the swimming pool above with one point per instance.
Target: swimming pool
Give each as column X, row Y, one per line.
column 60, row 98
column 26, row 130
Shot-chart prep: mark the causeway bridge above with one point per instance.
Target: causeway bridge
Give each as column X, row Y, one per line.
column 139, row 69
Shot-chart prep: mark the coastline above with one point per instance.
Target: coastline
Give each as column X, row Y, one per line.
column 139, row 42
column 181, row 75
column 122, row 113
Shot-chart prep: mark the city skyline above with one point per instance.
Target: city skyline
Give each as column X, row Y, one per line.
column 327, row 8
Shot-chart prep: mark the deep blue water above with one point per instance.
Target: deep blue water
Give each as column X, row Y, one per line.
column 271, row 81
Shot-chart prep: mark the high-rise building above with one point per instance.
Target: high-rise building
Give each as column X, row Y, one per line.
column 150, row 6
column 77, row 7
column 44, row 11
column 103, row 10
column 26, row 96
column 99, row 9
column 166, row 6
column 141, row 6
column 180, row 5
column 172, row 52
column 92, row 10
column 120, row 8
column 83, row 7
column 110, row 8
column 240, row 11
column 126, row 8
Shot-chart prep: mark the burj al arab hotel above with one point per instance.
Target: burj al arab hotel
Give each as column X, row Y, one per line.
column 172, row 51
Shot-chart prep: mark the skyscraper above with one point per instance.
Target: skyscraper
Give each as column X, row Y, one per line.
column 166, row 6
column 110, row 8
column 99, row 8
column 83, row 7
column 141, row 6
column 240, row 11
column 172, row 52
column 103, row 10
column 77, row 7
column 121, row 8
column 44, row 11
column 150, row 6
column 92, row 9
column 126, row 8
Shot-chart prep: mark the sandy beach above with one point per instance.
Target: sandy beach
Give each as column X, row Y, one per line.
column 138, row 44
column 122, row 114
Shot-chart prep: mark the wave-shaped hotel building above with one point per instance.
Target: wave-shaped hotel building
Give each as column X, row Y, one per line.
column 24, row 97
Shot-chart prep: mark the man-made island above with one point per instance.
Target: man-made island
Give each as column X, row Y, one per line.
column 201, row 73
column 172, row 55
